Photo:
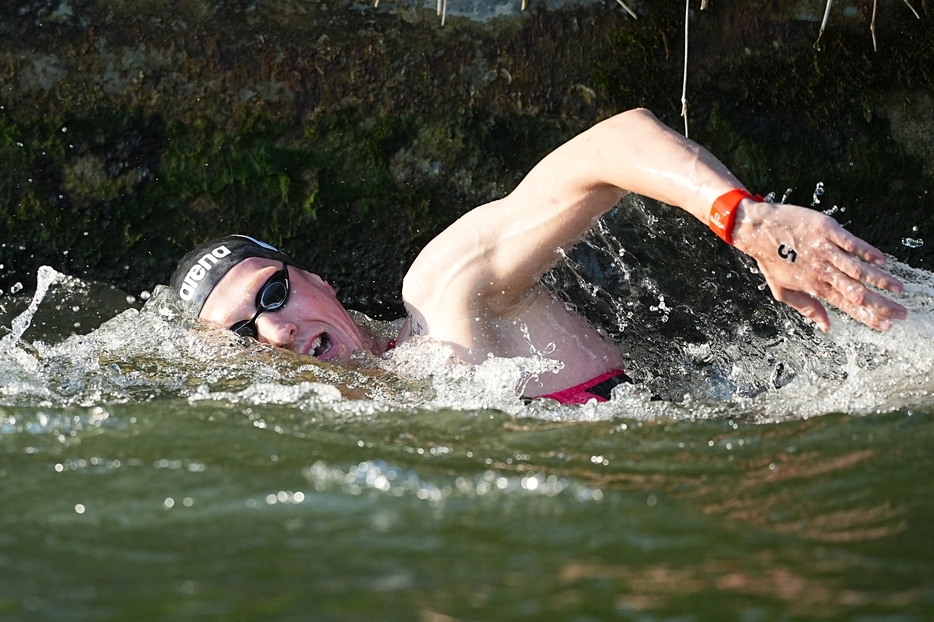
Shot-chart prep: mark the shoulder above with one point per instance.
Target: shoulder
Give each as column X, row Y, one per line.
column 458, row 261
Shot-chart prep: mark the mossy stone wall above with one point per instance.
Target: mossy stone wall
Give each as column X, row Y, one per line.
column 130, row 131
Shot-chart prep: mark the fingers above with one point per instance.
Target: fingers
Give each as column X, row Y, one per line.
column 806, row 305
column 856, row 246
column 849, row 294
column 864, row 272
column 861, row 303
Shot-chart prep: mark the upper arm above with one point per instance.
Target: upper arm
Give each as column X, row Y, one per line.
column 495, row 254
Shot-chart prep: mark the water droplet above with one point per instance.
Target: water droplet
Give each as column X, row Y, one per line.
column 818, row 193
column 17, row 288
column 912, row 242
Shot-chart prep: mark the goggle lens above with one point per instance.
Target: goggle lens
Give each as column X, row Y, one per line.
column 272, row 296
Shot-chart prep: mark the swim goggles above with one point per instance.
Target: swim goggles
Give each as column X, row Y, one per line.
column 272, row 296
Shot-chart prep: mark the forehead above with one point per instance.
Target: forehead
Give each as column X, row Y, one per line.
column 237, row 289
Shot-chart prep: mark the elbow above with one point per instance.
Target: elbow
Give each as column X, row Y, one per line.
column 639, row 126
column 635, row 117
column 638, row 112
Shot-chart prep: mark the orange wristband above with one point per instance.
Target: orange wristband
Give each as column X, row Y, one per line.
column 723, row 213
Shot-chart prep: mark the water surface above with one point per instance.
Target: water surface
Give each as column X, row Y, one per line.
column 152, row 469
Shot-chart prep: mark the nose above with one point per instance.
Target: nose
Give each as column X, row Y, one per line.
column 276, row 330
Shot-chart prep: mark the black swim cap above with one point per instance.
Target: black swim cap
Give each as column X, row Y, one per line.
column 201, row 269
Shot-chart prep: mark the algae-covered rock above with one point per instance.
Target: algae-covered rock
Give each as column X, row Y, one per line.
column 350, row 135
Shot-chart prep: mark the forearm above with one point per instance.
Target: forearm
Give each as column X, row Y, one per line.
column 635, row 152
column 804, row 255
column 560, row 198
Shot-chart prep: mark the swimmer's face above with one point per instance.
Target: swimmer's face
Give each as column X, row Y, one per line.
column 312, row 321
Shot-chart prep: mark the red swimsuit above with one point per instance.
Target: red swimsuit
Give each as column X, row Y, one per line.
column 598, row 388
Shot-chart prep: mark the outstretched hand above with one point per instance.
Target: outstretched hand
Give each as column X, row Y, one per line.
column 808, row 257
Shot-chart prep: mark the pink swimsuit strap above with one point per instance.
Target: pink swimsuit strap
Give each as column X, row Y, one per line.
column 580, row 394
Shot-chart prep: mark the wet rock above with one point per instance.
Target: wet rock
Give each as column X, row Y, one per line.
column 351, row 134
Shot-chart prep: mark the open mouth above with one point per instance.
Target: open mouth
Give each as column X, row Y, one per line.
column 320, row 345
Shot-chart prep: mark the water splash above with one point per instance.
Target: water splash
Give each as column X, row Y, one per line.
column 721, row 349
column 818, row 193
column 46, row 277
column 20, row 374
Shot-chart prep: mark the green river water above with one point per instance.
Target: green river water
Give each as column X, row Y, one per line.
column 154, row 470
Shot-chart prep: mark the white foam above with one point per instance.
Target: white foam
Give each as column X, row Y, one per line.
column 156, row 352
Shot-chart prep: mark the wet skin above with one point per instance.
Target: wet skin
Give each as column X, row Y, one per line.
column 476, row 286
column 312, row 322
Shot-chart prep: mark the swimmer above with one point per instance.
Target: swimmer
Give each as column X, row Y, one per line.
column 476, row 286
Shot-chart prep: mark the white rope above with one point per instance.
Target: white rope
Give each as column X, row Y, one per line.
column 623, row 4
column 823, row 24
column 684, row 89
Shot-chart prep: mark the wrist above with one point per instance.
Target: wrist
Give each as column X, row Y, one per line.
column 750, row 218
column 725, row 211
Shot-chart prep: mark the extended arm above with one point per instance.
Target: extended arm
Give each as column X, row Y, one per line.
column 498, row 251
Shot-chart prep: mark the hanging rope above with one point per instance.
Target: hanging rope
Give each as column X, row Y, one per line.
column 684, row 89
